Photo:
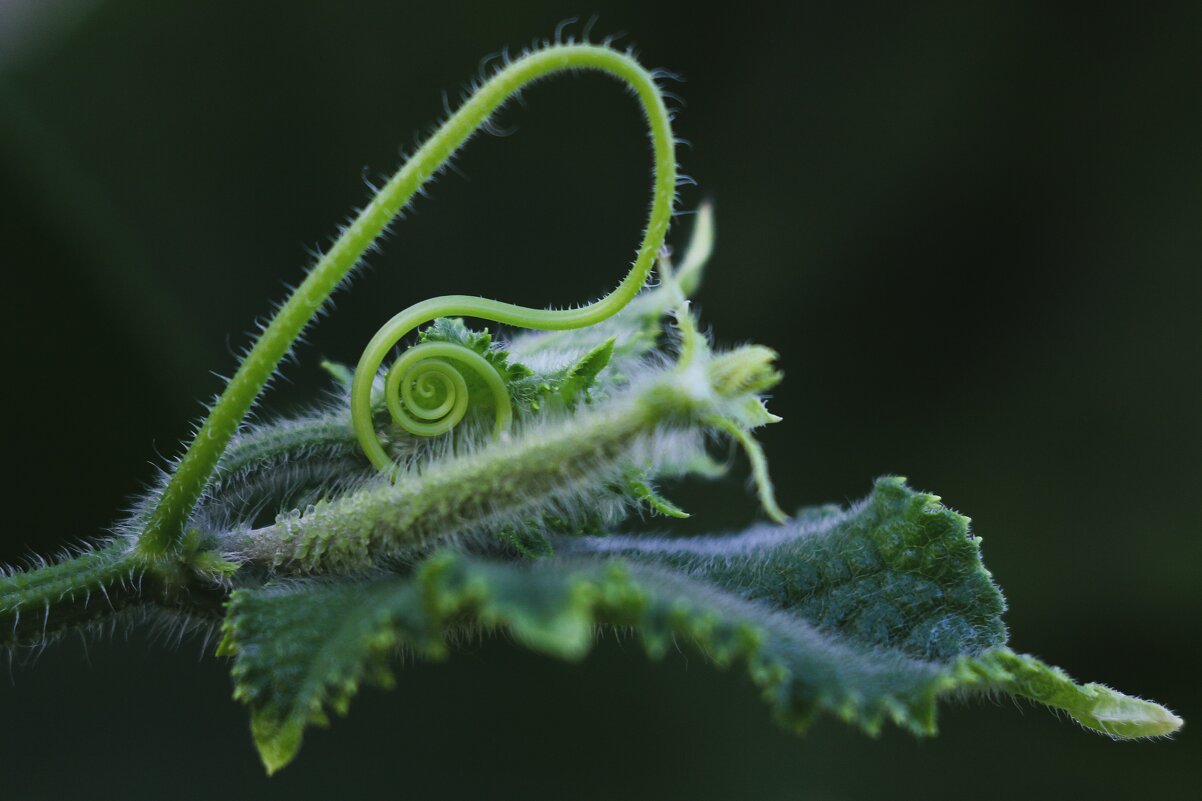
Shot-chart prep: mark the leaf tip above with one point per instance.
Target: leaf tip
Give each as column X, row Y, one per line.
column 277, row 743
column 1126, row 717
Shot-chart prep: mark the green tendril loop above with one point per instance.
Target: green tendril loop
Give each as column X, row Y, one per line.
column 419, row 383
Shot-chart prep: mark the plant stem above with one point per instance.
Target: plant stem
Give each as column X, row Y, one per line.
column 38, row 604
column 552, row 466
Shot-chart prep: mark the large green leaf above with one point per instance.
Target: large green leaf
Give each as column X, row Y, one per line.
column 870, row 614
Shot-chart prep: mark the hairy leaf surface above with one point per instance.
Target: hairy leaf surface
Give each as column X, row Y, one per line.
column 869, row 613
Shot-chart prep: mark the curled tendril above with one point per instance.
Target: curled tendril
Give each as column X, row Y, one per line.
column 424, row 390
column 434, row 393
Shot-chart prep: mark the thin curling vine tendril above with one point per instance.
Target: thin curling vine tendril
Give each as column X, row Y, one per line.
column 165, row 526
column 420, row 376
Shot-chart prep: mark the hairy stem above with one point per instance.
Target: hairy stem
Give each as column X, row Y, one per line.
column 35, row 606
column 550, row 466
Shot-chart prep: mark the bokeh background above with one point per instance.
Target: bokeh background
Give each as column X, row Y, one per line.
column 973, row 232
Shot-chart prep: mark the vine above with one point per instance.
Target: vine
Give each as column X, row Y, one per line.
column 419, row 375
column 165, row 527
column 317, row 563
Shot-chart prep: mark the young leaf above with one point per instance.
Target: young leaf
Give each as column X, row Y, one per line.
column 581, row 376
column 638, row 486
column 871, row 614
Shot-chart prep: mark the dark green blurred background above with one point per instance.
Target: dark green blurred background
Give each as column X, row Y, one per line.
column 973, row 232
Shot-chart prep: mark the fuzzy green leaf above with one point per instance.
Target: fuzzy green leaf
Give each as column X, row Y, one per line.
column 870, row 613
column 898, row 570
column 581, row 376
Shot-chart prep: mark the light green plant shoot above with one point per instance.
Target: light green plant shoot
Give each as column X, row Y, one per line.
column 166, row 525
column 486, row 482
column 419, row 370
